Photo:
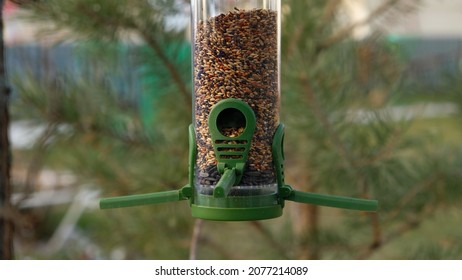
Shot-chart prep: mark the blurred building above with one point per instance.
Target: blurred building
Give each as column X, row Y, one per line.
column 16, row 31
column 428, row 31
column 424, row 18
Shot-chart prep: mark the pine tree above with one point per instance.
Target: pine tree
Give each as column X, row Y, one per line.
column 116, row 140
column 364, row 155
column 341, row 137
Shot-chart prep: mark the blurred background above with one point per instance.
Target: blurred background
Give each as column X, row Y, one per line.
column 101, row 103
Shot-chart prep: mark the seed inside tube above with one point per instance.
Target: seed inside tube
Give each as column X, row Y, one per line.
column 235, row 56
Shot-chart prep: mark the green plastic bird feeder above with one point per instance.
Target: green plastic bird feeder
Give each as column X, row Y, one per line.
column 236, row 158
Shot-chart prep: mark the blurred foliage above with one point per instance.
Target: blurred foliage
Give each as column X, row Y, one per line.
column 341, row 137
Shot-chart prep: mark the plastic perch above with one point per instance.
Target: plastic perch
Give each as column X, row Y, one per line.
column 227, row 180
column 144, row 199
column 287, row 193
column 331, row 200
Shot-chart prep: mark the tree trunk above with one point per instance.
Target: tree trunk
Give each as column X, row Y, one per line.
column 305, row 217
column 6, row 225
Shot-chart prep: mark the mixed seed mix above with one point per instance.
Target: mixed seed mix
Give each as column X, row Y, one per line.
column 236, row 56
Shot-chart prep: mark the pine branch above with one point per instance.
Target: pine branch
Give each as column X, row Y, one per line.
column 195, row 238
column 172, row 69
column 314, row 232
column 411, row 194
column 17, row 219
column 295, row 38
column 330, row 9
column 386, row 150
column 88, row 22
column 219, row 248
column 322, row 117
column 346, row 31
column 403, row 227
column 376, row 231
column 269, row 237
column 37, row 161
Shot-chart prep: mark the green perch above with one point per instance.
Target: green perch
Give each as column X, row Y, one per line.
column 294, row 195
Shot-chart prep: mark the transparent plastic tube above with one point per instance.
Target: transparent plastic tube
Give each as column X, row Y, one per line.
column 236, row 54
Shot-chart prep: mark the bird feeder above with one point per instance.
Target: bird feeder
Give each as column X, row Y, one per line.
column 236, row 158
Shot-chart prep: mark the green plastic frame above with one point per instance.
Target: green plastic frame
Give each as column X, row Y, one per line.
column 220, row 206
column 231, row 152
column 236, row 214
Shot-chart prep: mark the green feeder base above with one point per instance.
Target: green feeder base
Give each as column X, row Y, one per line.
column 236, row 214
column 236, row 208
